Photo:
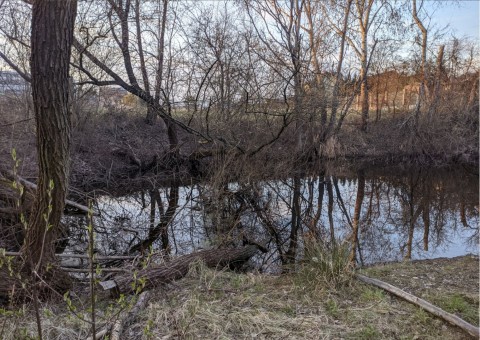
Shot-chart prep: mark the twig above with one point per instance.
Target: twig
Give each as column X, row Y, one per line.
column 17, row 122
column 117, row 327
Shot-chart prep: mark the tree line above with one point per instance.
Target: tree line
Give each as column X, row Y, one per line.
column 302, row 63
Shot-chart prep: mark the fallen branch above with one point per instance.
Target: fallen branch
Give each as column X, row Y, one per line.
column 165, row 273
column 150, row 277
column 451, row 318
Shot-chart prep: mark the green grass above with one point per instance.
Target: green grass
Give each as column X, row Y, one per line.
column 422, row 316
column 460, row 305
column 370, row 294
column 331, row 307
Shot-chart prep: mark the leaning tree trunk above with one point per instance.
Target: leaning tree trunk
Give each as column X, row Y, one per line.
column 51, row 40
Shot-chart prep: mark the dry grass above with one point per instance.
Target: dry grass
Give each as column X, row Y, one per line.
column 225, row 305
column 451, row 284
column 210, row 304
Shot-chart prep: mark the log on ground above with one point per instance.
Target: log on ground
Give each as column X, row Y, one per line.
column 150, row 277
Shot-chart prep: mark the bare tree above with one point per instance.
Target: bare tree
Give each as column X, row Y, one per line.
column 120, row 17
column 283, row 42
column 423, row 62
column 365, row 15
column 342, row 32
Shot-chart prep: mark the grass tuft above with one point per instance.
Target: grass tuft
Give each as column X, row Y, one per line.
column 325, row 268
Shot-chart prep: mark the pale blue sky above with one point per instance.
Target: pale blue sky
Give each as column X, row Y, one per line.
column 462, row 16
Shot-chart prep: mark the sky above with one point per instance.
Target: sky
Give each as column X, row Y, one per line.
column 462, row 16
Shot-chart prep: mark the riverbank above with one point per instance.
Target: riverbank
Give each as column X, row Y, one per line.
column 120, row 152
column 226, row 305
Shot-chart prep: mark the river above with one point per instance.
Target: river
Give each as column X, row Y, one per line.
column 414, row 213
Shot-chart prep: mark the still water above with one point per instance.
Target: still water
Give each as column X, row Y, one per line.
column 400, row 214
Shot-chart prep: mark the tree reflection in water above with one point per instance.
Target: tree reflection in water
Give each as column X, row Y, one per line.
column 383, row 215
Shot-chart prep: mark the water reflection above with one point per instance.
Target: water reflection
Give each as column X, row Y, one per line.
column 384, row 216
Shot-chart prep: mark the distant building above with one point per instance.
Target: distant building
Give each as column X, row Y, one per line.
column 11, row 83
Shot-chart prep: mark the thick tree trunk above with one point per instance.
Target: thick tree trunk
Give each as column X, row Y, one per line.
column 51, row 40
column 148, row 278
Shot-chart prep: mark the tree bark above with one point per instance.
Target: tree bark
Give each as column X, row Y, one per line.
column 51, row 41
